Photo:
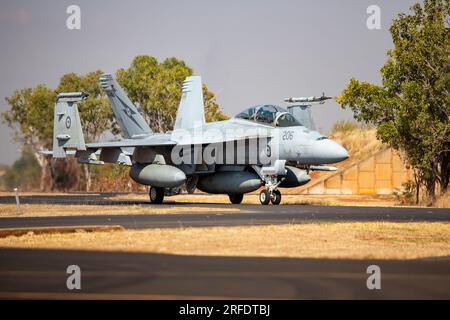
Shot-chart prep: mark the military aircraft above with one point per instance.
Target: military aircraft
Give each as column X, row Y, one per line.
column 263, row 146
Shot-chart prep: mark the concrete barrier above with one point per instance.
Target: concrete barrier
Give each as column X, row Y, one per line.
column 379, row 174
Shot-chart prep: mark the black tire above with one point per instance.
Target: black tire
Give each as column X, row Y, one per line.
column 276, row 197
column 264, row 197
column 236, row 198
column 156, row 195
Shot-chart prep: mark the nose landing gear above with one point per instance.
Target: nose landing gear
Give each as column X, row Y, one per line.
column 276, row 197
column 264, row 197
column 267, row 196
column 272, row 177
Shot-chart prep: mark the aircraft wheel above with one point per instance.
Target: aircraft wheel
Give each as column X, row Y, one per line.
column 276, row 197
column 156, row 195
column 236, row 198
column 264, row 197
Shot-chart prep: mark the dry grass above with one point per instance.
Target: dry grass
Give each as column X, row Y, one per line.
column 359, row 142
column 443, row 201
column 51, row 210
column 38, row 193
column 346, row 240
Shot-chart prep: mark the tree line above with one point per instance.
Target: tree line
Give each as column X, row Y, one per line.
column 155, row 87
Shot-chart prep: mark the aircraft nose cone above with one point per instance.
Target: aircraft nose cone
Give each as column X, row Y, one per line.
column 327, row 151
column 340, row 153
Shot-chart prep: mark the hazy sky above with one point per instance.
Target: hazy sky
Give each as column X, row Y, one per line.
column 248, row 51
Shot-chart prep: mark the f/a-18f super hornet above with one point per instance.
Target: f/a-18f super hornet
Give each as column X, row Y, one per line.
column 264, row 146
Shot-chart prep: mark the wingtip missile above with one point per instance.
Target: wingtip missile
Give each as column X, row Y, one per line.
column 313, row 99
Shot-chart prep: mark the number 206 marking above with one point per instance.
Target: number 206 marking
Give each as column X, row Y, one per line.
column 288, row 135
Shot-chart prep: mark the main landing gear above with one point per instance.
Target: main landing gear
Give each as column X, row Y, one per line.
column 156, row 195
column 236, row 198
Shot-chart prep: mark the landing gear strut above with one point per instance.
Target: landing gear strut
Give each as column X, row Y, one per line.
column 156, row 195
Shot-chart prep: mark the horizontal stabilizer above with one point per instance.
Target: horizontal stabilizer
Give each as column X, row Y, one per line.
column 50, row 152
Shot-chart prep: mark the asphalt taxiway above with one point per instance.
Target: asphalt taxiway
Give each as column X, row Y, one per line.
column 109, row 275
column 217, row 216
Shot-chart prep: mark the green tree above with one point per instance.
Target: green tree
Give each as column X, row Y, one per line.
column 154, row 86
column 24, row 173
column 411, row 109
column 95, row 112
column 212, row 108
column 156, row 89
column 31, row 116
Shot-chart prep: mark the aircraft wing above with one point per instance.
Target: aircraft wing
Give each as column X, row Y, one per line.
column 151, row 141
column 220, row 132
column 194, row 140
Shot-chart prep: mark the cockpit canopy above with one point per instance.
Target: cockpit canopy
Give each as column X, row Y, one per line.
column 269, row 114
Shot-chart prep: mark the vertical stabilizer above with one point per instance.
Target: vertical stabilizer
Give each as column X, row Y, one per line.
column 131, row 122
column 191, row 111
column 67, row 131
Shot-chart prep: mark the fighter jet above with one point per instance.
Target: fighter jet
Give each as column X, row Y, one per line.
column 265, row 146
